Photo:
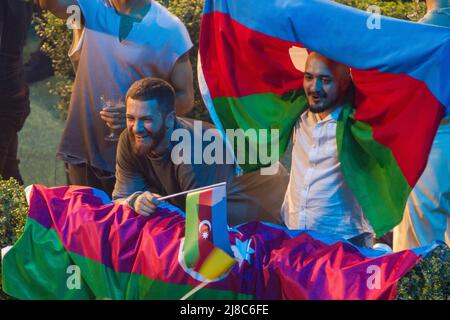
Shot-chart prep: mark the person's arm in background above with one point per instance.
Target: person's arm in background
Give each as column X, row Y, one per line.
column 57, row 7
column 182, row 80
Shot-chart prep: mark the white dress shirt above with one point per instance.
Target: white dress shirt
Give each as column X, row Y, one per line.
column 318, row 198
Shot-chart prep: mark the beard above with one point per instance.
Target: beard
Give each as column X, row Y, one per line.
column 144, row 148
column 319, row 109
column 322, row 105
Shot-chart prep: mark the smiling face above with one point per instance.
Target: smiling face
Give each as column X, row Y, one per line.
column 147, row 126
column 325, row 83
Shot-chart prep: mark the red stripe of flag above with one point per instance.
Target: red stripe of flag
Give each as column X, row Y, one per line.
column 403, row 114
column 205, row 246
column 257, row 63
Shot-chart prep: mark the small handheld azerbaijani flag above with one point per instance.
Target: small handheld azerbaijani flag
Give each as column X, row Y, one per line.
column 207, row 248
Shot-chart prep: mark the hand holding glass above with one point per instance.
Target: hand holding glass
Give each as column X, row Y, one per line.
column 113, row 112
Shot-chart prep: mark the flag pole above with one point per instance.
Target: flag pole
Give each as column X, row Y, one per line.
column 189, row 191
column 196, row 289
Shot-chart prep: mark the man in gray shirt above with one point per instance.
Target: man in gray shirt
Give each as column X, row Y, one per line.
column 147, row 167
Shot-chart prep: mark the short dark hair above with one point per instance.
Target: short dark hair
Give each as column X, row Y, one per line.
column 154, row 89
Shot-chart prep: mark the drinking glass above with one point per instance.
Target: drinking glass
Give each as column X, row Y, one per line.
column 108, row 102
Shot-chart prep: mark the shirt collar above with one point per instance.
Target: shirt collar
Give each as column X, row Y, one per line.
column 332, row 117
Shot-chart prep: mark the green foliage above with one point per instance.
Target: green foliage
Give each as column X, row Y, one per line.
column 395, row 9
column 190, row 12
column 13, row 212
column 430, row 278
column 56, row 41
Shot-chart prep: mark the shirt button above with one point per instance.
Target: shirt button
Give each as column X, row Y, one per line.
column 305, row 187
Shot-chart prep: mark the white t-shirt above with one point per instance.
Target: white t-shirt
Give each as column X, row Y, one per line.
column 108, row 67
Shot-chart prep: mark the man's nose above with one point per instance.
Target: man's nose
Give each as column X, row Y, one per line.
column 138, row 126
column 317, row 85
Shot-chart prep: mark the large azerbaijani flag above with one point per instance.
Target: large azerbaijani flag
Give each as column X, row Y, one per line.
column 78, row 245
column 252, row 56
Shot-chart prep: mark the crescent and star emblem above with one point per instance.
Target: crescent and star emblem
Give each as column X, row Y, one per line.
column 204, row 228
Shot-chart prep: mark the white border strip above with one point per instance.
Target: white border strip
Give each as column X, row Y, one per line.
column 212, row 112
column 5, row 251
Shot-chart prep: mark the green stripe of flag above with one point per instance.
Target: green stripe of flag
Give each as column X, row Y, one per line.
column 261, row 111
column 191, row 248
column 372, row 173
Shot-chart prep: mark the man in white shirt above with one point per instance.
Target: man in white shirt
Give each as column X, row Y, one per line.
column 318, row 198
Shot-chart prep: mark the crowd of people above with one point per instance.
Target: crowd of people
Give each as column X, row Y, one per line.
column 134, row 78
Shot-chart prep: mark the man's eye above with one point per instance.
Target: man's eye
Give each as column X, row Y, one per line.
column 326, row 81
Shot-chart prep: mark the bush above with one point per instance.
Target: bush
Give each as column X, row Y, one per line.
column 56, row 41
column 190, row 12
column 13, row 212
column 395, row 9
column 430, row 278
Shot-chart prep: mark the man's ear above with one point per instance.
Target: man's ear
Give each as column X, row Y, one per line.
column 170, row 120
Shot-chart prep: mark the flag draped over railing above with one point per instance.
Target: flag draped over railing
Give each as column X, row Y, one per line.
column 252, row 56
column 76, row 245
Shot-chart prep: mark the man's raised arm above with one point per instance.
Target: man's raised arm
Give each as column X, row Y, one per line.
column 57, row 7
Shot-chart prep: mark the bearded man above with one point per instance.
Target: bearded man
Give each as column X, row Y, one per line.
column 147, row 168
column 318, row 198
